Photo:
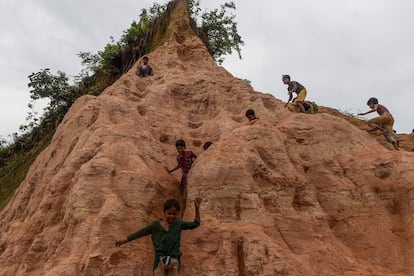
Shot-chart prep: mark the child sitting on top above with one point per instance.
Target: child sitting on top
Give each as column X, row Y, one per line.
column 145, row 69
column 185, row 159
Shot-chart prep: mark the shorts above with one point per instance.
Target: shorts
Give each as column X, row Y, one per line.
column 301, row 96
column 170, row 268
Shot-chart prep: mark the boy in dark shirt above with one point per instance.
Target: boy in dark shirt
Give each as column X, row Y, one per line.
column 166, row 237
column 299, row 89
column 185, row 159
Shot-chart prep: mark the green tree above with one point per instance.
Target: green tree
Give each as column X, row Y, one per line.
column 222, row 32
column 54, row 87
column 194, row 8
column 90, row 62
column 220, row 27
column 57, row 90
column 111, row 58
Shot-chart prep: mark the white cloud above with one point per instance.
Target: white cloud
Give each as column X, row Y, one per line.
column 343, row 51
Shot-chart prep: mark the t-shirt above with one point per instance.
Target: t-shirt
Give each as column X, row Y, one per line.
column 295, row 87
column 166, row 243
column 185, row 162
column 145, row 70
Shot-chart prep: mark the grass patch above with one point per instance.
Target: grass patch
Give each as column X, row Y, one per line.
column 15, row 170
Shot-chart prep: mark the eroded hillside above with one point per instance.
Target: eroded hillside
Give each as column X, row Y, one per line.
column 292, row 194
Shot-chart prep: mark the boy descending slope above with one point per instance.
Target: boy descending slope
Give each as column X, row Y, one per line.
column 384, row 122
column 185, row 159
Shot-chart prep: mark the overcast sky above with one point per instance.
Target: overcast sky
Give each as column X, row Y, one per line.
column 342, row 51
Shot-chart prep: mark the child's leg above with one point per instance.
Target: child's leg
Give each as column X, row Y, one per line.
column 299, row 104
column 377, row 123
column 397, row 139
column 385, row 118
column 386, row 122
column 374, row 127
column 389, row 131
column 172, row 269
column 300, row 99
column 159, row 271
column 141, row 72
column 312, row 110
column 183, row 189
column 183, row 184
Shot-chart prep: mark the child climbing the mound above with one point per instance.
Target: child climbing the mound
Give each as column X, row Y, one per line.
column 251, row 116
column 384, row 122
column 299, row 89
column 166, row 237
column 185, row 159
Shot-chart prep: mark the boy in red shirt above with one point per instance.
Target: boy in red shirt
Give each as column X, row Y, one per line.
column 185, row 159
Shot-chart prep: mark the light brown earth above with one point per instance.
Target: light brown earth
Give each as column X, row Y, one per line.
column 292, row 194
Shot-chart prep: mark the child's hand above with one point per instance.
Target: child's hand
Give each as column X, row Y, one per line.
column 119, row 243
column 197, row 202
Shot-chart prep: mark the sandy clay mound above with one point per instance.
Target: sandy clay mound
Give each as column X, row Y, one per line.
column 292, row 194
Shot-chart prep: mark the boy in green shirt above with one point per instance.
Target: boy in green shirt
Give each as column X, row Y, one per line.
column 166, row 237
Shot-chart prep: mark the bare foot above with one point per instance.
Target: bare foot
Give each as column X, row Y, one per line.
column 395, row 146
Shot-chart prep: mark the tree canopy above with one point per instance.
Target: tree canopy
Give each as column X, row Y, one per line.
column 220, row 28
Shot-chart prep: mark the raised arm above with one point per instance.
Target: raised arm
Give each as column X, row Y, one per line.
column 185, row 225
column 197, row 203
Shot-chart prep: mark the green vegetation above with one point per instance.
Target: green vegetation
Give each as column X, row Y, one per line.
column 216, row 28
column 13, row 172
column 221, row 30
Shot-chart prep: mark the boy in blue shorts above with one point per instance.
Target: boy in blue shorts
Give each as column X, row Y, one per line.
column 145, row 69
